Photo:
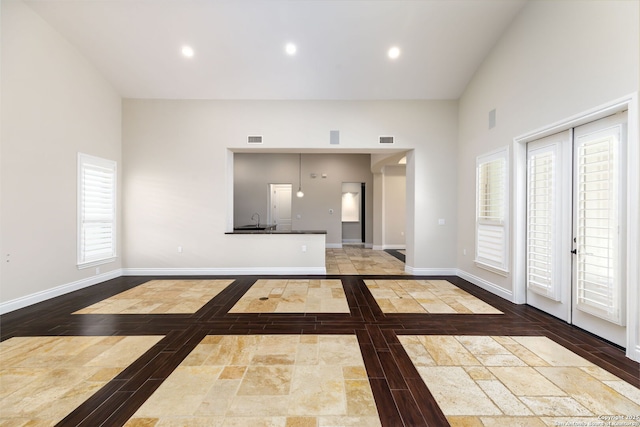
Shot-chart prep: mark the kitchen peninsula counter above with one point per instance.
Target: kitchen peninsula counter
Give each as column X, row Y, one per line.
column 249, row 231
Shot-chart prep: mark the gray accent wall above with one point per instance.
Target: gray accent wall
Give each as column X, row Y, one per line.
column 253, row 172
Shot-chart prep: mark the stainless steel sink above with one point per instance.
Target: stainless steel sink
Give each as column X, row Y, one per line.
column 255, row 227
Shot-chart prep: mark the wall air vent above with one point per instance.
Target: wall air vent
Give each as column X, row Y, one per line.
column 254, row 139
column 386, row 140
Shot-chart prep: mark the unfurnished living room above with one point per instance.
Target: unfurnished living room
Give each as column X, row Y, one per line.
column 319, row 213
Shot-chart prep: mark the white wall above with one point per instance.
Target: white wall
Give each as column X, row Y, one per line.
column 395, row 189
column 177, row 171
column 54, row 104
column 558, row 59
column 254, row 171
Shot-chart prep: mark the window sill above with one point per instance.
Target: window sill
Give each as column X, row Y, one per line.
column 95, row 263
column 491, row 268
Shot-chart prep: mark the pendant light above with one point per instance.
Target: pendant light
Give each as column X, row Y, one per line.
column 300, row 193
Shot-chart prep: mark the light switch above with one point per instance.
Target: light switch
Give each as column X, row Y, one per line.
column 441, row 221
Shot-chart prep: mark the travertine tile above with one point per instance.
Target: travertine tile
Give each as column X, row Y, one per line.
column 511, row 422
column 284, row 380
column 426, row 296
column 418, row 353
column 555, row 406
column 160, row 297
column 301, row 422
column 625, row 389
column 359, row 398
column 555, row 388
column 266, row 381
column 464, row 421
column 293, row 296
column 552, row 353
column 455, row 392
column 501, row 396
column 526, row 381
column 447, row 351
column 42, row 379
column 357, row 260
column 588, row 391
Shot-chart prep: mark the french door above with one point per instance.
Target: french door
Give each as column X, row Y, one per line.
column 575, row 226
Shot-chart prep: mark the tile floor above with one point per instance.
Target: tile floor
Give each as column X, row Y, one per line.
column 138, row 363
column 269, row 380
column 525, row 381
column 356, row 260
column 425, row 296
column 293, row 296
column 42, row 379
column 160, row 297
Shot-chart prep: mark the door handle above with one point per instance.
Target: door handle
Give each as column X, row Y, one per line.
column 575, row 251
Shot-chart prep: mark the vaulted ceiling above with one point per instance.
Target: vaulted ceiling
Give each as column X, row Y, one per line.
column 239, row 46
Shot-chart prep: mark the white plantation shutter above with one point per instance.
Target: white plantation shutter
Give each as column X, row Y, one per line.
column 491, row 211
column 548, row 233
column 96, row 210
column 541, row 209
column 597, row 175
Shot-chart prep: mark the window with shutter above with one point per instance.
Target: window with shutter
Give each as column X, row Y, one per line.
column 492, row 211
column 96, row 210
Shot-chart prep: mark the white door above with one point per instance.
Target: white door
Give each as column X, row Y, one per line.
column 599, row 285
column 549, row 225
column 575, row 208
column 280, row 206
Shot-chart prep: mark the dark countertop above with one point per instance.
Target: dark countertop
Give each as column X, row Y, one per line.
column 254, row 227
column 249, row 231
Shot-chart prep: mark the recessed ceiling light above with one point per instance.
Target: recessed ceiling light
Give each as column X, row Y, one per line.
column 187, row 51
column 394, row 52
column 290, row 48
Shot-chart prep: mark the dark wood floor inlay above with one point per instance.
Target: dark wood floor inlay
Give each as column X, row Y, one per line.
column 402, row 398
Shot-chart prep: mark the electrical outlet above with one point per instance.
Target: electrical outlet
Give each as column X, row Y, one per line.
column 179, row 249
column 304, row 248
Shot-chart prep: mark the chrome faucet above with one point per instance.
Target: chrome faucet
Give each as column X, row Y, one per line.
column 253, row 218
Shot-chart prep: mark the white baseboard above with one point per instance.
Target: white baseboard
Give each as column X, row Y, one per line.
column 245, row 271
column 333, row 245
column 429, row 271
column 37, row 297
column 633, row 353
column 383, row 247
column 368, row 245
column 351, row 241
column 486, row 285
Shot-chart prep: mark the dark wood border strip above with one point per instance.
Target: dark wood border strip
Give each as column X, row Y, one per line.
column 401, row 396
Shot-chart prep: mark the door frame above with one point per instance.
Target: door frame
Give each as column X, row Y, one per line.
column 519, row 197
column 270, row 189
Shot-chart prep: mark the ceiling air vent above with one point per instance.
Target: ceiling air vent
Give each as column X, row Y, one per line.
column 386, row 140
column 254, row 139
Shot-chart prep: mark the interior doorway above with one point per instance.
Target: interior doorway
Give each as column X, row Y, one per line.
column 280, row 206
column 353, row 213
